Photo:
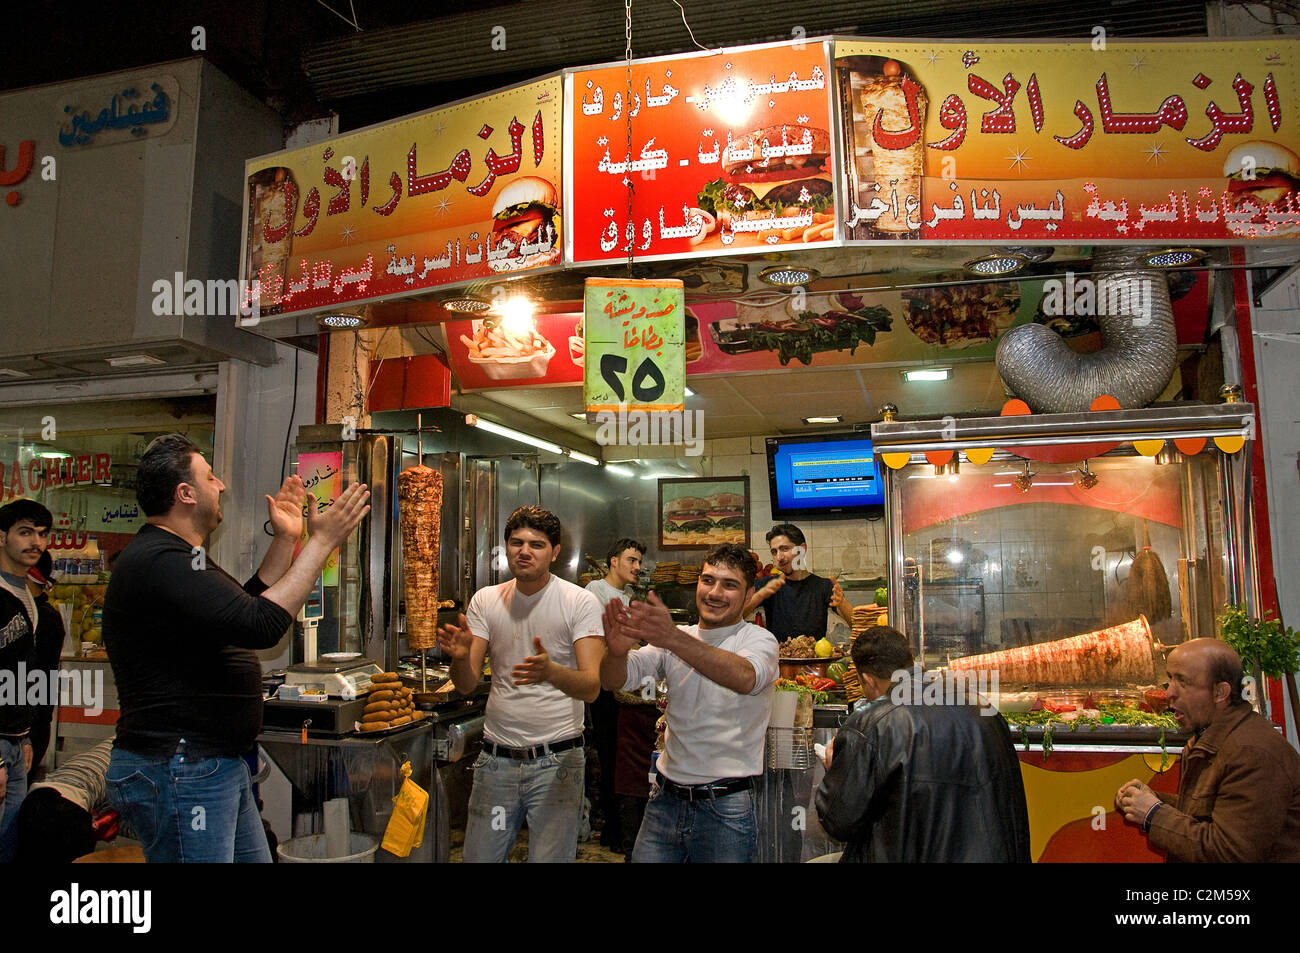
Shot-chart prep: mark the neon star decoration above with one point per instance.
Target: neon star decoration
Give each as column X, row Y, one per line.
column 1019, row 159
column 1156, row 153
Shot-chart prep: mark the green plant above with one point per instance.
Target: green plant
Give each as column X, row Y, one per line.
column 1261, row 642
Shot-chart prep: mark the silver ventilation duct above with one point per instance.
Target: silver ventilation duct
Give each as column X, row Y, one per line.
column 1136, row 361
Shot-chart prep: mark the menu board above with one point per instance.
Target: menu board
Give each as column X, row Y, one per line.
column 635, row 345
column 463, row 192
column 1061, row 142
column 727, row 152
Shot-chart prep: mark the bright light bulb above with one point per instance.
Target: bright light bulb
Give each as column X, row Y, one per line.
column 517, row 315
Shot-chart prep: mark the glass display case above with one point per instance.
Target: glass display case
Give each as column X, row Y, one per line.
column 1056, row 558
column 1059, row 557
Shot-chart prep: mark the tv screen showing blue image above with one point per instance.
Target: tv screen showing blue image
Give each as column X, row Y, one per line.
column 827, row 476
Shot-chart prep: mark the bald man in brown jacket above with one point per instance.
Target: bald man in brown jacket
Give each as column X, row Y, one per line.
column 1239, row 793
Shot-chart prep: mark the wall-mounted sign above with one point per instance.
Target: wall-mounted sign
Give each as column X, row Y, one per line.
column 53, row 473
column 457, row 193
column 1065, row 142
column 494, row 352
column 111, row 115
column 635, row 345
column 321, row 474
column 728, row 152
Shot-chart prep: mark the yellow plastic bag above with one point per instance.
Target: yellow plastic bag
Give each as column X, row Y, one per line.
column 405, row 829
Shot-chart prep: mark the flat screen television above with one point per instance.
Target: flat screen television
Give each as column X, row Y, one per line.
column 824, row 476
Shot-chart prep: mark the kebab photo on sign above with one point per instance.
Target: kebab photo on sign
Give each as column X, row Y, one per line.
column 797, row 327
column 883, row 129
column 775, row 189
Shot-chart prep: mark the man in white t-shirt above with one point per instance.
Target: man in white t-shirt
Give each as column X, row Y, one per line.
column 624, row 566
column 720, row 676
column 546, row 642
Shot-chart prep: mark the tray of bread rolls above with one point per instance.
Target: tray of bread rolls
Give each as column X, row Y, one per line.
column 389, row 706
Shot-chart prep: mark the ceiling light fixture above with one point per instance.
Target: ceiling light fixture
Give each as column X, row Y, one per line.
column 342, row 320
column 583, row 458
column 134, row 360
column 992, row 266
column 788, row 276
column 474, row 420
column 927, row 374
column 1024, row 480
column 837, row 419
column 1173, row 257
column 467, row 304
column 1084, row 478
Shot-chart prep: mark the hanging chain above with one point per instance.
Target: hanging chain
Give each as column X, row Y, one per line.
column 630, row 229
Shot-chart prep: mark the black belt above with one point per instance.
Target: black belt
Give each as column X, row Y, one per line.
column 534, row 752
column 696, row 792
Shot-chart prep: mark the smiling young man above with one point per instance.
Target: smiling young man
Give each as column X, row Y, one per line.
column 546, row 642
column 796, row 599
column 720, row 676
column 1239, row 786
column 24, row 534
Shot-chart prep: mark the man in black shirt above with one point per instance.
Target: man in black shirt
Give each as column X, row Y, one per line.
column 181, row 636
column 796, row 600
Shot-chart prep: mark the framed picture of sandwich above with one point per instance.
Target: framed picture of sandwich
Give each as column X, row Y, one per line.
column 698, row 512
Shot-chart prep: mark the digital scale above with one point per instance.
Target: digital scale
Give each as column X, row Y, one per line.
column 338, row 677
column 345, row 683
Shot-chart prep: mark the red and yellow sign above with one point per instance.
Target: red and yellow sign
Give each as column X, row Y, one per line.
column 728, row 151
column 1070, row 141
column 453, row 194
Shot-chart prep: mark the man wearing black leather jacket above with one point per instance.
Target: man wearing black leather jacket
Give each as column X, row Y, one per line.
column 926, row 772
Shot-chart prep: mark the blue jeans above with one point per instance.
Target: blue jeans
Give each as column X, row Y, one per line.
column 720, row 830
column 547, row 791
column 188, row 810
column 11, row 755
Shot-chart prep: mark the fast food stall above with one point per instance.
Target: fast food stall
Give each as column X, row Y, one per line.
column 831, row 209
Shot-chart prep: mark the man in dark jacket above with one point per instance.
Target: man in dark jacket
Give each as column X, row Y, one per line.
column 924, row 773
column 1239, row 790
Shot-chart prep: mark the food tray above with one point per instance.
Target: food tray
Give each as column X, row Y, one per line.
column 515, row 368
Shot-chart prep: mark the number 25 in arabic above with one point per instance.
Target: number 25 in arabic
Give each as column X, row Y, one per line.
column 648, row 382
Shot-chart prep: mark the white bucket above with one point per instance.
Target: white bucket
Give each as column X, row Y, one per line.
column 783, row 708
column 311, row 850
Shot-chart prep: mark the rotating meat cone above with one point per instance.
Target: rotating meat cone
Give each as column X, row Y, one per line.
column 419, row 496
column 1119, row 654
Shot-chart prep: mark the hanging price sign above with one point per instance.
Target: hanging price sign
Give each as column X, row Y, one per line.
column 634, row 333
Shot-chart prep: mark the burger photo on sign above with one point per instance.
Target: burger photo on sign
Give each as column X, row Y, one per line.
column 1267, row 176
column 526, row 213
column 686, row 520
column 776, row 172
column 726, row 515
